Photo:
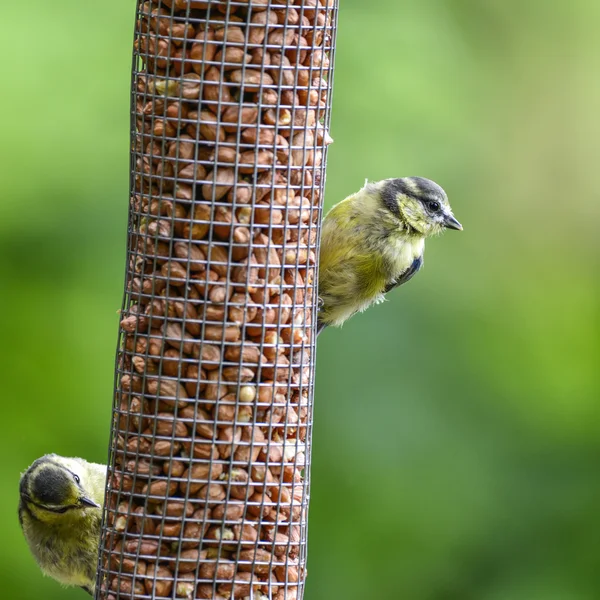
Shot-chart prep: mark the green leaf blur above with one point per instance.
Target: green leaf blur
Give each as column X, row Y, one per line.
column 456, row 440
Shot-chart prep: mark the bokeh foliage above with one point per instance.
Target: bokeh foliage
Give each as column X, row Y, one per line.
column 456, row 442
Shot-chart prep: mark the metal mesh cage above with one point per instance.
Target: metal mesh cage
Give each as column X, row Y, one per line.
column 208, row 482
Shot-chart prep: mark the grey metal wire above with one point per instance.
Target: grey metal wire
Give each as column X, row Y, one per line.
column 209, row 465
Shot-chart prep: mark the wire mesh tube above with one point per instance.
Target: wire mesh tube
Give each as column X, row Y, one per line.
column 208, row 482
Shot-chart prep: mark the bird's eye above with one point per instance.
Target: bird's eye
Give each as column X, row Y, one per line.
column 434, row 206
column 77, row 480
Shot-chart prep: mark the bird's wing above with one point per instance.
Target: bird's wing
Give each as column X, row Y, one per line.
column 407, row 275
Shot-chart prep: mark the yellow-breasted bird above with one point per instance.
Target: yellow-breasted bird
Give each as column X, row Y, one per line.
column 60, row 512
column 373, row 241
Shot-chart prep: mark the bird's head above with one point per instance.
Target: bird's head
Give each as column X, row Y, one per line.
column 419, row 204
column 54, row 486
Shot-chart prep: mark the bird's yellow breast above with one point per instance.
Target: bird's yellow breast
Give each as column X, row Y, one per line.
column 400, row 251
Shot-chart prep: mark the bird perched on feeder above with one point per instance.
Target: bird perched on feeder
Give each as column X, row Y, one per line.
column 373, row 241
column 60, row 512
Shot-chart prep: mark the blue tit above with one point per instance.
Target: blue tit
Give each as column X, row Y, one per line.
column 373, row 241
column 60, row 512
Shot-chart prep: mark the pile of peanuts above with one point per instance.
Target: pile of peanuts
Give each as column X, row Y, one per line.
column 208, row 493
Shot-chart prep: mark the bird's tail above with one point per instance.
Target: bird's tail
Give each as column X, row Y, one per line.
column 320, row 326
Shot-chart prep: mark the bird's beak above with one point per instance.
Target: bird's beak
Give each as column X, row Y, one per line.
column 451, row 223
column 87, row 502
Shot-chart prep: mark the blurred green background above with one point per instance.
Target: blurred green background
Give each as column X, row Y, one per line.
column 456, row 441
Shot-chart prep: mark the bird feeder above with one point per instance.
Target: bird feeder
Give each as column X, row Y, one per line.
column 209, row 470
